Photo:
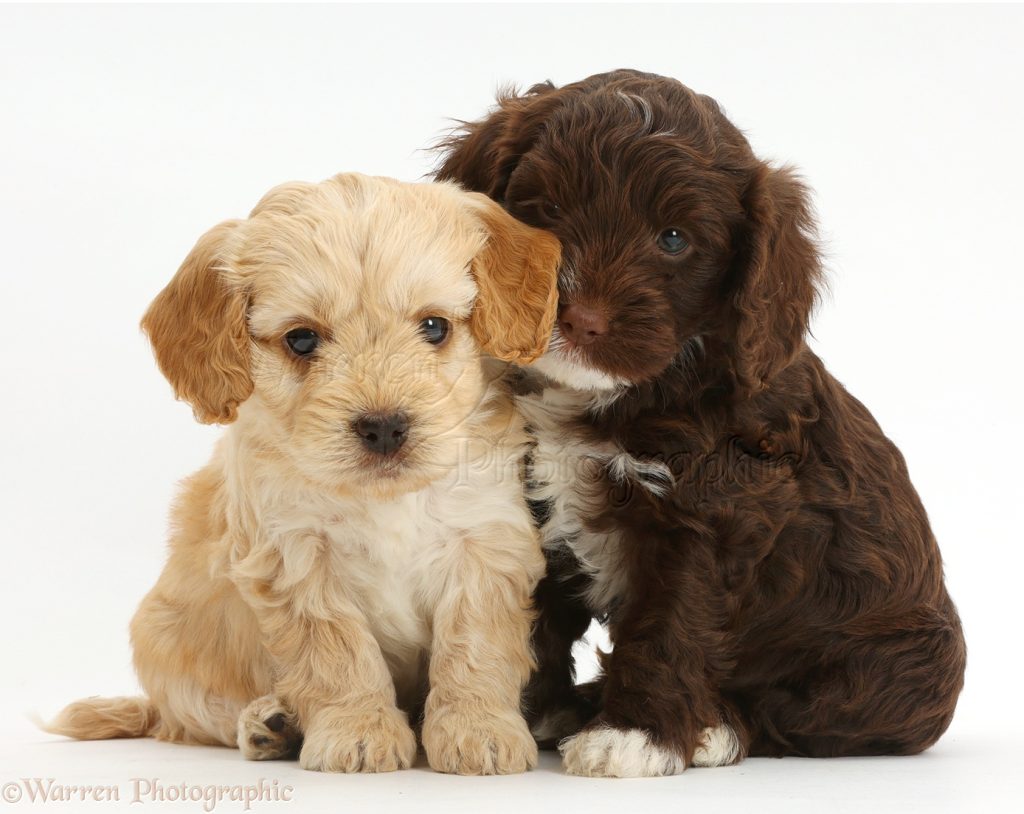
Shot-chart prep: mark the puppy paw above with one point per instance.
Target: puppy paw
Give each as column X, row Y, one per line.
column 718, row 746
column 467, row 743
column 267, row 730
column 378, row 740
column 603, row 751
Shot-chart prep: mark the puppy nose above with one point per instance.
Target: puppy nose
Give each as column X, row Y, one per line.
column 382, row 434
column 581, row 324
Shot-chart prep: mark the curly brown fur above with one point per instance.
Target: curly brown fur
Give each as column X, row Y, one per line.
column 750, row 535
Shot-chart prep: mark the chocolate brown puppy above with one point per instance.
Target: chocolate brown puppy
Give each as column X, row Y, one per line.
column 766, row 569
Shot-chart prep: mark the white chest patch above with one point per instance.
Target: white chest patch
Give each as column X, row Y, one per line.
column 576, row 478
column 385, row 558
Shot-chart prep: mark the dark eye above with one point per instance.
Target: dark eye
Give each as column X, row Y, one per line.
column 551, row 210
column 302, row 341
column 435, row 329
column 671, row 241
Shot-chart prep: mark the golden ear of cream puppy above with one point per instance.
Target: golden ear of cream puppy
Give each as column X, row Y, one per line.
column 359, row 546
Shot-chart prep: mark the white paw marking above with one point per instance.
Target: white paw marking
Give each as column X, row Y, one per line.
column 608, row 752
column 719, row 747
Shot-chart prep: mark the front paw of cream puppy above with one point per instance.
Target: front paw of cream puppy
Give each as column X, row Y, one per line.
column 377, row 740
column 459, row 742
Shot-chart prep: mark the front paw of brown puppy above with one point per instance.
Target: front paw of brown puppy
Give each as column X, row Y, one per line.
column 460, row 742
column 605, row 751
column 719, row 746
column 377, row 740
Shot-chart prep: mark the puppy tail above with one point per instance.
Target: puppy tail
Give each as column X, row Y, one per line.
column 100, row 718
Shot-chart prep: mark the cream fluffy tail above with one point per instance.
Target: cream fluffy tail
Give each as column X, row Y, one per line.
column 101, row 718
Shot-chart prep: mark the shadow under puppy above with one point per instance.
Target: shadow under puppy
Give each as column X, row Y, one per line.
column 360, row 535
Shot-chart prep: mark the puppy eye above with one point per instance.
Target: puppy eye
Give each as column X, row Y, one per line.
column 671, row 241
column 435, row 329
column 302, row 341
column 551, row 210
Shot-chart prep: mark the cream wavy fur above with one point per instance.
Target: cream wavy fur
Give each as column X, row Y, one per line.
column 314, row 587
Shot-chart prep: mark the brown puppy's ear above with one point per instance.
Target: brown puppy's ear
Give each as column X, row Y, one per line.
column 516, row 273
column 778, row 276
column 482, row 156
column 198, row 328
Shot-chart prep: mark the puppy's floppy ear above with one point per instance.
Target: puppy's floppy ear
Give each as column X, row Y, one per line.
column 483, row 155
column 199, row 331
column 778, row 271
column 516, row 273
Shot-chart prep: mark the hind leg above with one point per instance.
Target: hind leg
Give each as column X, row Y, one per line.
column 890, row 694
column 191, row 713
column 200, row 664
column 198, row 653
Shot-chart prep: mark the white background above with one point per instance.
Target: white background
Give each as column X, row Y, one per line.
column 126, row 132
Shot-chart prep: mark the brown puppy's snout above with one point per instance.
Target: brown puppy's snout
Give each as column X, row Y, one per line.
column 382, row 433
column 581, row 324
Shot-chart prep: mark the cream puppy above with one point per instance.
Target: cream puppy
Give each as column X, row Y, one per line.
column 359, row 547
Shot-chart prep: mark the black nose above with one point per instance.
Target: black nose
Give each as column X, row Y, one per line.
column 382, row 434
